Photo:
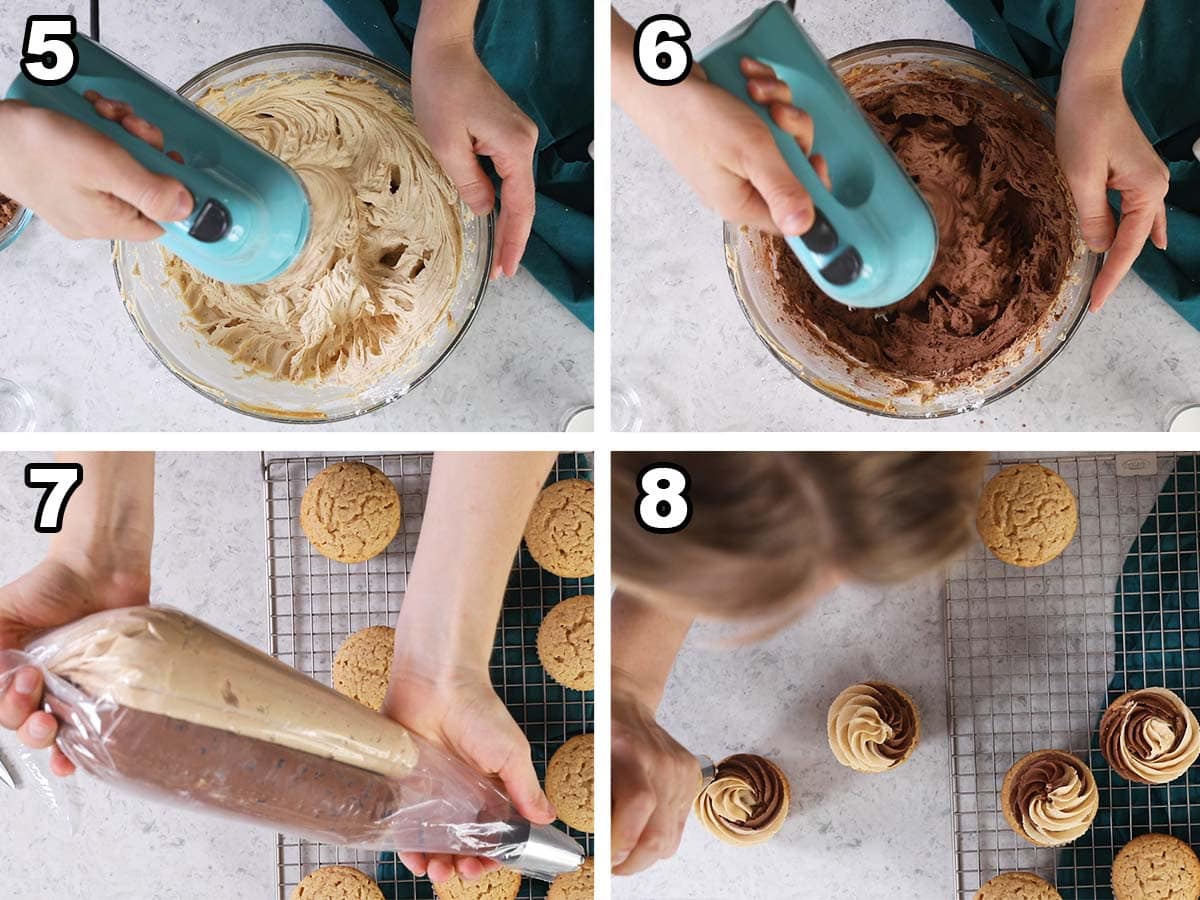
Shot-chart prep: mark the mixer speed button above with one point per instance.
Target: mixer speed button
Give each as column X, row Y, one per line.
column 211, row 223
column 821, row 238
column 845, row 267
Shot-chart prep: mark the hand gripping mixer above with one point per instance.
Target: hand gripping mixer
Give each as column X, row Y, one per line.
column 251, row 217
column 874, row 238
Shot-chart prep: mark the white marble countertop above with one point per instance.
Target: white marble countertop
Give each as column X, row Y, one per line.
column 124, row 848
column 848, row 836
column 525, row 362
column 683, row 345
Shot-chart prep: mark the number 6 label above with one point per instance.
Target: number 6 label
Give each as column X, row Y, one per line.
column 663, row 505
column 660, row 52
column 60, row 480
column 48, row 55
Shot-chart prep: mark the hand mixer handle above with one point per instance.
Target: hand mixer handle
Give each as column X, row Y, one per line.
column 874, row 238
column 209, row 220
column 251, row 217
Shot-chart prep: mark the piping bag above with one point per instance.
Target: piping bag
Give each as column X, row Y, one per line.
column 153, row 700
column 251, row 218
column 874, row 238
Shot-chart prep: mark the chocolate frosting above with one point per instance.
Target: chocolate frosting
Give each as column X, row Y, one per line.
column 1149, row 736
column 764, row 782
column 8, row 210
column 269, row 784
column 1053, row 797
column 265, row 782
column 1006, row 229
column 747, row 800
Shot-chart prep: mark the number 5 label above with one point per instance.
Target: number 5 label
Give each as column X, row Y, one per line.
column 48, row 55
column 60, row 480
column 663, row 505
column 660, row 52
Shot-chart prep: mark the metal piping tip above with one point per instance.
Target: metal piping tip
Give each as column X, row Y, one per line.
column 546, row 854
column 708, row 770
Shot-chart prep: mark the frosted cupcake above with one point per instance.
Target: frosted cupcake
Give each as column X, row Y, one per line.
column 1049, row 798
column 873, row 727
column 746, row 802
column 1149, row 736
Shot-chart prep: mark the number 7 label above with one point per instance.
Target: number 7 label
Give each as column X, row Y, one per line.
column 60, row 480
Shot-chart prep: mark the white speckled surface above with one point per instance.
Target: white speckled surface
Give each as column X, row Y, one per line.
column 208, row 560
column 525, row 362
column 848, row 836
column 1128, row 368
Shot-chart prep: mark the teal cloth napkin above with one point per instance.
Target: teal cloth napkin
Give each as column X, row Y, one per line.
column 1157, row 611
column 1162, row 75
column 541, row 54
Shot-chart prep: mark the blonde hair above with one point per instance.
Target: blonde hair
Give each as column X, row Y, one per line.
column 768, row 528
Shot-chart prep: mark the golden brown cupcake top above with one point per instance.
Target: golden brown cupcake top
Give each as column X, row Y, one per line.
column 1156, row 867
column 337, row 883
column 872, row 727
column 1017, row 886
column 503, row 884
column 1027, row 515
column 746, row 802
column 362, row 666
column 350, row 512
column 1052, row 797
column 1149, row 736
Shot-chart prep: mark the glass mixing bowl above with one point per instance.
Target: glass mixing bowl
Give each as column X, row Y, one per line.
column 813, row 361
column 10, row 232
column 157, row 310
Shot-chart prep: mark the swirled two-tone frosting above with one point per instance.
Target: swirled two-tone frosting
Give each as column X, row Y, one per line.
column 746, row 802
column 873, row 727
column 1050, row 798
column 1149, row 736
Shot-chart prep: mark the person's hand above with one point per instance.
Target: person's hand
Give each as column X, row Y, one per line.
column 727, row 153
column 654, row 782
column 465, row 114
column 1101, row 147
column 59, row 590
column 80, row 181
column 460, row 710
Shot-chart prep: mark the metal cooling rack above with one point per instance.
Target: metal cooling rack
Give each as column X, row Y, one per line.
column 316, row 603
column 1030, row 653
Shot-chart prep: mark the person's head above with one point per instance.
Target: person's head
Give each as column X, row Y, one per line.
column 770, row 530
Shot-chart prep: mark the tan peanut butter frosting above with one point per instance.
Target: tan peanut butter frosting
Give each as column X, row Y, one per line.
column 1050, row 797
column 381, row 264
column 1149, row 736
column 873, row 727
column 162, row 661
column 746, row 802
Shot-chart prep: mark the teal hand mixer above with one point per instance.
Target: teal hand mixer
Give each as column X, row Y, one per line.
column 251, row 217
column 874, row 238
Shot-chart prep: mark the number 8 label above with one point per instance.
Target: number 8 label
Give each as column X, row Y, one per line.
column 663, row 505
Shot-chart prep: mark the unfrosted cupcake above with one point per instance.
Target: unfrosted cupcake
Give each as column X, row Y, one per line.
column 873, row 727
column 1149, row 736
column 1156, row 867
column 1049, row 797
column 747, row 800
column 1018, row 886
